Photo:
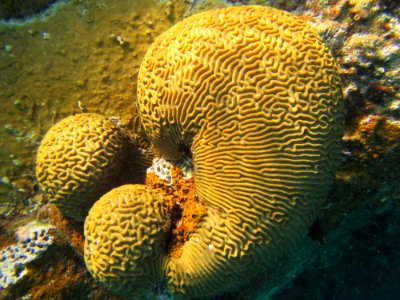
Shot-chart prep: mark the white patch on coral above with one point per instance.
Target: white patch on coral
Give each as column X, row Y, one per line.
column 162, row 169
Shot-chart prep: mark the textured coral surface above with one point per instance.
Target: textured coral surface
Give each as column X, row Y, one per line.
column 83, row 56
column 79, row 159
column 124, row 240
column 257, row 96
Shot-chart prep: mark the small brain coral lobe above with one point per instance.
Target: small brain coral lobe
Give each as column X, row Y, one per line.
column 257, row 96
column 124, row 242
column 79, row 159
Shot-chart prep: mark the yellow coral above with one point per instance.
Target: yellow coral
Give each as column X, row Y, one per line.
column 79, row 159
column 257, row 96
column 124, row 244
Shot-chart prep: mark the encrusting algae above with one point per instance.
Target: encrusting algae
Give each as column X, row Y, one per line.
column 184, row 209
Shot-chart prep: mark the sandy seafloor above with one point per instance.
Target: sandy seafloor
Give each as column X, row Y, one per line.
column 84, row 56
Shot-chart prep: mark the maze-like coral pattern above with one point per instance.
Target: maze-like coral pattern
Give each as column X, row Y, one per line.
column 257, row 96
column 80, row 158
column 124, row 244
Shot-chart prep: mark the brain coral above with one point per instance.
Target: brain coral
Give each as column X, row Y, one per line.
column 124, row 240
column 78, row 160
column 256, row 96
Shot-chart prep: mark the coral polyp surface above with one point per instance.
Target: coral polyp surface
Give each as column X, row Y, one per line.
column 79, row 159
column 256, row 95
column 125, row 239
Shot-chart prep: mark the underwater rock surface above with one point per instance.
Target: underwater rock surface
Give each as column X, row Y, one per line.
column 85, row 56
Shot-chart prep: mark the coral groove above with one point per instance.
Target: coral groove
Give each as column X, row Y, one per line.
column 124, row 240
column 257, row 96
column 79, row 159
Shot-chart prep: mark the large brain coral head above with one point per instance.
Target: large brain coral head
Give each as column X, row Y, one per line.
column 79, row 159
column 256, row 96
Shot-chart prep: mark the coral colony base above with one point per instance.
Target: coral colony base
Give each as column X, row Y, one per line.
column 254, row 96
